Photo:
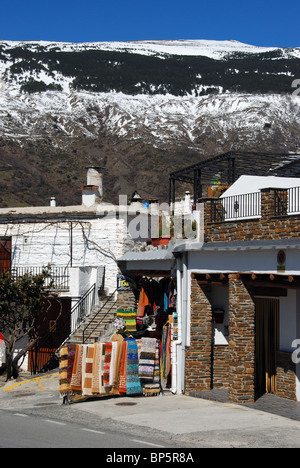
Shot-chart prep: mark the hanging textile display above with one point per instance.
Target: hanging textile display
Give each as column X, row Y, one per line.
column 147, row 358
column 165, row 358
column 107, row 360
column 76, row 380
column 122, row 386
column 129, row 317
column 88, row 370
column 153, row 388
column 118, row 367
column 97, row 378
column 118, row 340
column 66, row 361
column 133, row 383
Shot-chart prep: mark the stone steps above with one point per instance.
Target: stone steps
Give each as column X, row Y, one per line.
column 97, row 323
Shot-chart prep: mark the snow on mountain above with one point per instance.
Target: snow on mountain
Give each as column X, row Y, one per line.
column 207, row 48
column 139, row 109
column 157, row 119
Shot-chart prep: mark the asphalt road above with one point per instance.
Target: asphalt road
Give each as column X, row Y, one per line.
column 32, row 415
column 20, row 430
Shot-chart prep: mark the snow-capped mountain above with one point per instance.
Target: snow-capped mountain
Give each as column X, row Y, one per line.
column 140, row 109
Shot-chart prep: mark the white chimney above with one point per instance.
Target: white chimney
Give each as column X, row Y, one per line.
column 94, row 177
column 93, row 191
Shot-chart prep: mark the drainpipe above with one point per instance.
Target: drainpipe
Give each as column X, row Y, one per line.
column 184, row 318
column 178, row 348
column 176, row 354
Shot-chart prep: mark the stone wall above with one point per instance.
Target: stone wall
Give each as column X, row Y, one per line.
column 126, row 300
column 199, row 354
column 241, row 342
column 286, row 376
column 268, row 226
column 220, row 376
column 231, row 366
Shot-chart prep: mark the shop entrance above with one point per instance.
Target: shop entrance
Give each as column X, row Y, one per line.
column 266, row 344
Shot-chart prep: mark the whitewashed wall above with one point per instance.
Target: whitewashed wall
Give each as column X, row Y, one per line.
column 96, row 242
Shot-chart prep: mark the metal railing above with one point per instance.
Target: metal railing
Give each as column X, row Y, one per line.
column 293, row 200
column 287, row 201
column 83, row 307
column 236, row 207
column 84, row 335
column 59, row 276
column 49, row 345
column 280, row 202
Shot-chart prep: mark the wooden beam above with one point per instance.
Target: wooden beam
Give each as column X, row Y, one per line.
column 272, row 284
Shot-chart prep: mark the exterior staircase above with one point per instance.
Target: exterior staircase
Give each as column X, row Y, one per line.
column 98, row 323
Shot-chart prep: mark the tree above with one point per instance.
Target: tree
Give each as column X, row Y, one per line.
column 21, row 300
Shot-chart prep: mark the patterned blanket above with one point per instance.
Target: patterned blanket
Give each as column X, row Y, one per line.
column 133, row 383
column 76, row 379
column 122, row 384
column 129, row 317
column 147, row 358
column 153, row 388
column 88, row 369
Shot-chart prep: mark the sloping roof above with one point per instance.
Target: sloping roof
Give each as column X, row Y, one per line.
column 148, row 255
column 268, row 244
column 249, row 184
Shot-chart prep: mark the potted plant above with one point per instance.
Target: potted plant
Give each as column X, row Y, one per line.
column 163, row 237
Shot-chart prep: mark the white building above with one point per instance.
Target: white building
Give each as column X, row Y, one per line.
column 80, row 243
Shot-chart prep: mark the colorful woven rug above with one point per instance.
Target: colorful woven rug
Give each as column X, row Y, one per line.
column 129, row 317
column 153, row 388
column 64, row 386
column 165, row 358
column 122, row 384
column 118, row 339
column 88, row 370
column 133, row 383
column 66, row 362
column 96, row 369
column 107, row 361
column 112, row 363
column 147, row 358
column 76, row 379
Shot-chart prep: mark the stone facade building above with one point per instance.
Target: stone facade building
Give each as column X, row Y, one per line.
column 245, row 295
column 238, row 292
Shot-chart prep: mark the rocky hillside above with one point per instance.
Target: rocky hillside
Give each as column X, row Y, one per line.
column 140, row 110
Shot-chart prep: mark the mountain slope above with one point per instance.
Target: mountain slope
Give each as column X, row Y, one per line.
column 138, row 109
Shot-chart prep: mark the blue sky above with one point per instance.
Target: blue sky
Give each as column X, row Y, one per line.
column 257, row 22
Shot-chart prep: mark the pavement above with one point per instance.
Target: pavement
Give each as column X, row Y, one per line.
column 202, row 420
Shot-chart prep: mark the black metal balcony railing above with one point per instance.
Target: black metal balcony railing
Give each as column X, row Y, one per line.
column 236, row 207
column 60, row 276
column 286, row 202
column 293, row 200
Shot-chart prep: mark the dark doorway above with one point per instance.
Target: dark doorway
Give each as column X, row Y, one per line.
column 54, row 328
column 266, row 345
